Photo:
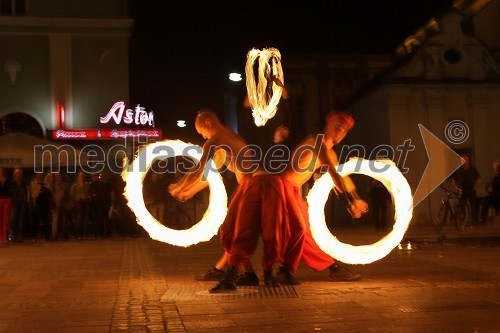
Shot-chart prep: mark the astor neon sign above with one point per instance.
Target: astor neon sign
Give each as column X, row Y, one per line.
column 137, row 116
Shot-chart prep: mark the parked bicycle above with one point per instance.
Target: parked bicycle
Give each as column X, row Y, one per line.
column 454, row 209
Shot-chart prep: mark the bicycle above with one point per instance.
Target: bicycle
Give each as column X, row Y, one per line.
column 454, row 208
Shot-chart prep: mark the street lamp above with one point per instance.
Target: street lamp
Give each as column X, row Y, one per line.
column 231, row 102
column 235, row 77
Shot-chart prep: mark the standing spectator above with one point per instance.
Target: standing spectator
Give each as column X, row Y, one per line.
column 80, row 196
column 61, row 215
column 34, row 189
column 467, row 180
column 492, row 199
column 49, row 182
column 42, row 203
column 5, row 204
column 126, row 226
column 100, row 202
column 379, row 197
column 19, row 202
column 154, row 196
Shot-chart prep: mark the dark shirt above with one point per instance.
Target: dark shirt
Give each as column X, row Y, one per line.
column 466, row 178
column 19, row 192
column 44, row 200
column 100, row 192
column 495, row 186
column 6, row 188
column 378, row 192
column 155, row 191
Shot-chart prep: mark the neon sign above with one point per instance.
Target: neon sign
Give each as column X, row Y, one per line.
column 105, row 134
column 137, row 116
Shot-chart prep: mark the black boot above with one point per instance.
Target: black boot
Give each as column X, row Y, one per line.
column 248, row 279
column 285, row 277
column 338, row 272
column 228, row 283
column 270, row 280
column 213, row 274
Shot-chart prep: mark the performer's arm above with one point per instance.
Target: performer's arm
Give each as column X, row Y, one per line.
column 189, row 189
column 181, row 188
column 344, row 186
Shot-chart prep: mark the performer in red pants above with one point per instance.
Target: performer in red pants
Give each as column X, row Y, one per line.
column 312, row 153
column 261, row 211
column 222, row 145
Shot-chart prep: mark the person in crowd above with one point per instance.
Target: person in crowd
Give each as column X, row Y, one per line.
column 80, row 196
column 467, row 180
column 42, row 207
column 492, row 200
column 19, row 204
column 100, row 202
column 5, row 204
column 62, row 207
column 154, row 195
column 379, row 198
column 33, row 191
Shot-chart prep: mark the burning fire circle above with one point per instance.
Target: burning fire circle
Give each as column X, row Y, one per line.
column 388, row 174
column 134, row 174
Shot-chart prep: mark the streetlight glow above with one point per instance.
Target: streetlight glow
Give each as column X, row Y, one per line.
column 235, row 77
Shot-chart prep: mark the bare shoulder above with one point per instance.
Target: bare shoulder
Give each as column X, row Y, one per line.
column 307, row 141
column 226, row 138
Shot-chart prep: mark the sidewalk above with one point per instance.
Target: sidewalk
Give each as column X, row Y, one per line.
column 141, row 285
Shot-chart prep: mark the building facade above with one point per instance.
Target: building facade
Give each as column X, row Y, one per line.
column 446, row 76
column 63, row 63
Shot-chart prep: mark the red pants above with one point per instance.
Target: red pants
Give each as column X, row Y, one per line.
column 309, row 251
column 227, row 227
column 261, row 211
column 5, row 208
column 294, row 230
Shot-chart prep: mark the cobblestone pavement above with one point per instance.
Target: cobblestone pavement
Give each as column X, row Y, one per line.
column 140, row 285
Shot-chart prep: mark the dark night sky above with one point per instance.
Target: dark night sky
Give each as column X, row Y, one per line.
column 181, row 53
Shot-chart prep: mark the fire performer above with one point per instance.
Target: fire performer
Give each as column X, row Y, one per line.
column 261, row 211
column 306, row 159
column 223, row 145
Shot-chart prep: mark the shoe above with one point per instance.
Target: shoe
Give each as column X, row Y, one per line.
column 228, row 283
column 270, row 280
column 341, row 273
column 285, row 277
column 213, row 274
column 248, row 279
column 223, row 286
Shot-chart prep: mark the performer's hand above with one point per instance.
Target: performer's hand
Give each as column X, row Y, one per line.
column 357, row 208
column 185, row 195
column 182, row 198
column 174, row 190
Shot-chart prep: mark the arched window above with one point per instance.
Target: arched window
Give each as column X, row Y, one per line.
column 20, row 122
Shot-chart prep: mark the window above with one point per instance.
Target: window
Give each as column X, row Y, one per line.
column 6, row 7
column 13, row 7
column 453, row 56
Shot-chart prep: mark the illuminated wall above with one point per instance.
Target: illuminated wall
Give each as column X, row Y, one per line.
column 72, row 52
